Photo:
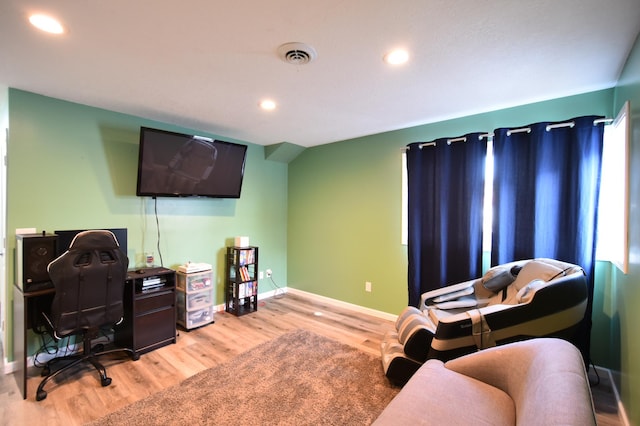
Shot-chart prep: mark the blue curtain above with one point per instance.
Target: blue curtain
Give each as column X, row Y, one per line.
column 445, row 200
column 545, row 197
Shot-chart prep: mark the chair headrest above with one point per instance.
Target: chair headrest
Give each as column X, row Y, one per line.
column 94, row 239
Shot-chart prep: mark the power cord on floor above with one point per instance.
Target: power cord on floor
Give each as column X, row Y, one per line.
column 51, row 348
column 277, row 288
column 46, row 348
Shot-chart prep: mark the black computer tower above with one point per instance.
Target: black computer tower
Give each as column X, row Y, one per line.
column 34, row 252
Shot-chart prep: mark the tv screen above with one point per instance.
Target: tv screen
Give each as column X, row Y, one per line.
column 178, row 165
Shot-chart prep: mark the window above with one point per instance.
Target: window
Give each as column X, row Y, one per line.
column 488, row 198
column 613, row 207
column 487, row 211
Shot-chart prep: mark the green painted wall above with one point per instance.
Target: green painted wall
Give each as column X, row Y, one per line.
column 345, row 203
column 72, row 166
column 5, row 286
column 624, row 290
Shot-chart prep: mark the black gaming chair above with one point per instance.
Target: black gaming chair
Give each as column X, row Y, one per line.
column 89, row 282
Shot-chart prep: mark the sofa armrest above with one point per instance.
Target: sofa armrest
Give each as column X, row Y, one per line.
column 545, row 377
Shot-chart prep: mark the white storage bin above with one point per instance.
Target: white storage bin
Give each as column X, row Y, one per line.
column 191, row 319
column 195, row 282
column 193, row 301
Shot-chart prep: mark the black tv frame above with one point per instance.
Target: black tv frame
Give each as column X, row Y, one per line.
column 172, row 164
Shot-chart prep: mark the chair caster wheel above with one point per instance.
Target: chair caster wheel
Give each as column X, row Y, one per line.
column 45, row 371
column 40, row 395
column 105, row 381
column 135, row 356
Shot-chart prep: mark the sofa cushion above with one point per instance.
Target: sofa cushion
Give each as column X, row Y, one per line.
column 438, row 396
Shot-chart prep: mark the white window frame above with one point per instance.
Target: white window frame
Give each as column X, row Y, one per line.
column 613, row 207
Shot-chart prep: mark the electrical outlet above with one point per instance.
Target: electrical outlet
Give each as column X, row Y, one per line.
column 269, row 273
column 367, row 286
column 261, row 275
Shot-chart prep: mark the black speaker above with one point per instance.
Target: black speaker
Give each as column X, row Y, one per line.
column 33, row 254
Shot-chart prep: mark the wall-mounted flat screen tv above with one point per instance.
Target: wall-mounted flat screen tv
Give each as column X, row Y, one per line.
column 173, row 164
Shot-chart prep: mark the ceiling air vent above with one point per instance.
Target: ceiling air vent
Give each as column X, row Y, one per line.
column 297, row 53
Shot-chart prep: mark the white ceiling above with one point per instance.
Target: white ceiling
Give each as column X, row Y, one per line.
column 205, row 64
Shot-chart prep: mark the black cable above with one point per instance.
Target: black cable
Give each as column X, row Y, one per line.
column 53, row 348
column 49, row 348
column 597, row 382
column 155, row 199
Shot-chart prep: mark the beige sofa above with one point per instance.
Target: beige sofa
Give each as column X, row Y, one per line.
column 534, row 382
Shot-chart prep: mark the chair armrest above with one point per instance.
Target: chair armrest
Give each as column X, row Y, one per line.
column 447, row 293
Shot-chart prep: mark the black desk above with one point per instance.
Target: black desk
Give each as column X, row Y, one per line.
column 149, row 317
column 25, row 306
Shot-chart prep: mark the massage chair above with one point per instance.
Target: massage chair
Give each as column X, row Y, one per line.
column 510, row 302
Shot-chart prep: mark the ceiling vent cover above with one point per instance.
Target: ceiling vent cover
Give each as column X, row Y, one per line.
column 297, row 53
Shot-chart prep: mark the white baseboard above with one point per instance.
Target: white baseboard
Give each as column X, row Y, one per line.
column 9, row 367
column 341, row 304
column 264, row 295
column 621, row 411
column 323, row 299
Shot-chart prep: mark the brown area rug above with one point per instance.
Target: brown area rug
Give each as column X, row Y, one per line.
column 299, row 378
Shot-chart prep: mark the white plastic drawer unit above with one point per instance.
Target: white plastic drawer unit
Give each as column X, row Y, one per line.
column 195, row 282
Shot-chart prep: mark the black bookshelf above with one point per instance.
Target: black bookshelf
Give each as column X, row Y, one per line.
column 241, row 286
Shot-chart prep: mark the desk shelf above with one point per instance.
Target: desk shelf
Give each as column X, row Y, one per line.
column 149, row 311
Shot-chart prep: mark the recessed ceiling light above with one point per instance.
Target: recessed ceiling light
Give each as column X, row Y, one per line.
column 46, row 23
column 396, row 57
column 268, row 105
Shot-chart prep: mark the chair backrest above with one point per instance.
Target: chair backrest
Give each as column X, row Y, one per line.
column 89, row 282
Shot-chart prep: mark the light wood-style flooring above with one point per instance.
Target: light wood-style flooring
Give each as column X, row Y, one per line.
column 80, row 398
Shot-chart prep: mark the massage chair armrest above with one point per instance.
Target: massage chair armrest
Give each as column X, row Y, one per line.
column 543, row 299
column 447, row 293
column 466, row 290
column 452, row 317
column 500, row 316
